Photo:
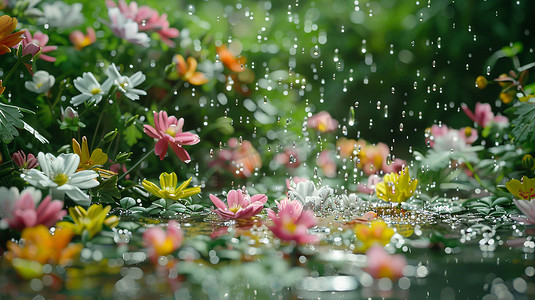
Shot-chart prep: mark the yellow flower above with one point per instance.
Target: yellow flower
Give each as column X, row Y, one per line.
column 396, row 187
column 90, row 220
column 524, row 189
column 186, row 70
column 7, row 38
column 507, row 97
column 377, row 232
column 97, row 158
column 168, row 189
column 41, row 247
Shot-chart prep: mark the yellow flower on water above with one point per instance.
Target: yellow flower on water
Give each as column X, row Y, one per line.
column 396, row 187
column 524, row 189
column 169, row 189
column 377, row 232
column 97, row 158
column 90, row 220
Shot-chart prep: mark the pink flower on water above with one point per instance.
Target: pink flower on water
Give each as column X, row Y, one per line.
column 40, row 40
column 240, row 205
column 161, row 243
column 24, row 162
column 292, row 223
column 527, row 207
column 21, row 211
column 168, row 131
column 382, row 265
column 147, row 19
column 322, row 122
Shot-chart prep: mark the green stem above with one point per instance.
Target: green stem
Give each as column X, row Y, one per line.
column 136, row 165
column 11, row 72
column 96, row 129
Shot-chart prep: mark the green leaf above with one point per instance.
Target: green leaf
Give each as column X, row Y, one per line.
column 10, row 120
column 127, row 202
column 107, row 190
column 131, row 134
column 524, row 123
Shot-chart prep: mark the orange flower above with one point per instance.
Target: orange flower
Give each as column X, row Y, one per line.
column 186, row 70
column 7, row 38
column 81, row 40
column 229, row 60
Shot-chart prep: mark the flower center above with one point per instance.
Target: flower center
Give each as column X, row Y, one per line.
column 468, row 131
column 234, row 209
column 96, row 91
column 290, row 226
column 61, row 179
column 40, row 84
column 172, row 130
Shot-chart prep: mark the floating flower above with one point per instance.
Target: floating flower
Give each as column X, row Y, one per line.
column 241, row 159
column 396, row 187
column 161, row 243
column 524, row 189
column 62, row 15
column 97, row 158
column 230, row 60
column 187, row 70
column 168, row 131
column 24, row 162
column 90, row 88
column 306, row 193
column 528, row 209
column 90, row 220
column 59, row 174
column 377, row 232
column 8, row 39
column 240, row 205
column 126, row 29
column 292, row 223
column 41, row 82
column 81, row 40
column 169, row 189
column 380, row 264
column 40, row 40
column 21, row 210
column 125, row 84
column 294, row 207
column 322, row 122
column 41, row 247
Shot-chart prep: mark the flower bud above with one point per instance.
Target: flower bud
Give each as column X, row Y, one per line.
column 110, row 136
column 481, row 82
column 507, row 97
column 527, row 161
column 68, row 113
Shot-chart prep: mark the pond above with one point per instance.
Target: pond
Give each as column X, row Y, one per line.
column 267, row 150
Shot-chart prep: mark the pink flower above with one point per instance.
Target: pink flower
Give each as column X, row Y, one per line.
column 292, row 223
column 482, row 115
column 373, row 157
column 168, row 131
column 322, row 122
column 81, row 40
column 468, row 134
column 161, row 243
column 369, row 188
column 21, row 211
column 240, row 205
column 40, row 40
column 292, row 182
column 241, row 159
column 382, row 265
column 396, row 166
column 528, row 209
column 289, row 158
column 327, row 164
column 24, row 162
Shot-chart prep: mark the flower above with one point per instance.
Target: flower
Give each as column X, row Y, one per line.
column 168, row 131
column 90, row 88
column 97, row 158
column 369, row 187
column 125, row 84
column 294, row 207
column 90, row 220
column 169, row 189
column 80, row 40
column 230, row 60
column 327, row 163
column 59, row 174
column 241, row 159
column 60, row 14
column 41, row 82
column 322, row 122
column 186, row 70
column 21, row 210
column 161, row 243
column 240, row 205
column 306, row 193
column 524, row 189
column 41, row 247
column 377, row 232
column 481, row 82
column 8, row 39
column 443, row 138
column 469, row 136
column 396, row 187
column 40, row 40
column 528, row 209
column 380, row 264
column 348, row 147
column 126, row 29
column 289, row 158
column 24, row 162
column 507, row 97
column 373, row 158
column 292, row 223
column 482, row 114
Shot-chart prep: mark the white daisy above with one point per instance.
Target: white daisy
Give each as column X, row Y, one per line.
column 41, row 82
column 62, row 15
column 90, row 88
column 125, row 84
column 59, row 174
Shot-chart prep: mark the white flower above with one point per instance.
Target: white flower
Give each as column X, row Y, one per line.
column 90, row 88
column 306, row 193
column 41, row 82
column 59, row 174
column 126, row 28
column 125, row 84
column 60, row 14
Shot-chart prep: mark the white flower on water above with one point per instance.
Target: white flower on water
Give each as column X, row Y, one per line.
column 41, row 82
column 60, row 176
column 126, row 28
column 125, row 84
column 306, row 193
column 62, row 15
column 90, row 88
